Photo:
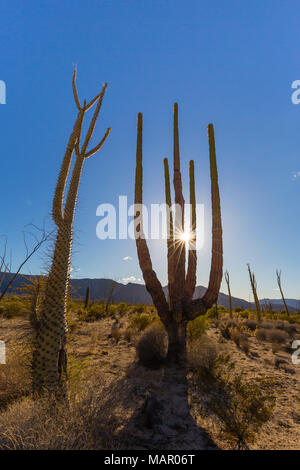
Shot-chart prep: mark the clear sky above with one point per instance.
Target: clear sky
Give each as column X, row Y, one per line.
column 227, row 62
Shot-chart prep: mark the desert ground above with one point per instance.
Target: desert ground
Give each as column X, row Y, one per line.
column 133, row 406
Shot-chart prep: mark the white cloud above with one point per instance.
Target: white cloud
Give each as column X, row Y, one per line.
column 296, row 175
column 131, row 279
column 127, row 258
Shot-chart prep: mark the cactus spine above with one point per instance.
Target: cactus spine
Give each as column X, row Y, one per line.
column 278, row 275
column 180, row 307
column 226, row 275
column 254, row 291
column 87, row 297
column 49, row 368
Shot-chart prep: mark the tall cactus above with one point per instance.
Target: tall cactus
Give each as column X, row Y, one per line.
column 254, row 291
column 180, row 307
column 278, row 275
column 87, row 297
column 49, row 368
column 227, row 279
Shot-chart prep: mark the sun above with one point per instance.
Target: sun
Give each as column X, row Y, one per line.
column 186, row 236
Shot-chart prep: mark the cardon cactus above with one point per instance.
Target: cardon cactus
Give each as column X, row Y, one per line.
column 50, row 358
column 180, row 306
column 87, row 297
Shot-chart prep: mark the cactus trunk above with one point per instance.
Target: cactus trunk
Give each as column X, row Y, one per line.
column 180, row 308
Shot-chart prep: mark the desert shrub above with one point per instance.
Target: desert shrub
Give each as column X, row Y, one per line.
column 235, row 335
column 14, row 306
column 152, row 346
column 277, row 336
column 116, row 334
column 243, row 314
column 245, row 345
column 15, row 375
column 202, row 356
column 290, row 329
column 197, row 327
column 294, row 319
column 129, row 334
column 225, row 326
column 261, row 334
column 251, row 324
column 139, row 308
column 267, row 325
column 142, row 320
column 93, row 313
column 241, row 406
column 122, row 308
column 238, row 309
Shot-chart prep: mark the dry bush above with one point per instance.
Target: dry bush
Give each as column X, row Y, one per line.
column 116, row 333
column 225, row 326
column 202, row 355
column 152, row 347
column 87, row 423
column 240, row 406
column 235, row 335
column 251, row 324
column 277, row 336
column 143, row 320
column 15, row 375
column 267, row 325
column 261, row 334
column 129, row 334
column 245, row 345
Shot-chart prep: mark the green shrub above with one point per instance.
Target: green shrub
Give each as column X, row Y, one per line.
column 240, row 406
column 197, row 327
column 93, row 313
column 14, row 306
column 142, row 320
column 122, row 308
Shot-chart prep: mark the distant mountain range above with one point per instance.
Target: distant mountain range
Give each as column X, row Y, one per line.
column 137, row 293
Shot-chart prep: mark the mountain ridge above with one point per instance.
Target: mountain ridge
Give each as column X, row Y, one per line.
column 137, row 293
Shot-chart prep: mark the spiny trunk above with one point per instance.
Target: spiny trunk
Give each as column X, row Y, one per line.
column 50, row 355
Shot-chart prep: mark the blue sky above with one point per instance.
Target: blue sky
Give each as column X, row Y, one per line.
column 230, row 63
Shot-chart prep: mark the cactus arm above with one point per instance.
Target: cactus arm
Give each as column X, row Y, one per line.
column 227, row 279
column 75, row 90
column 190, row 281
column 216, row 270
column 98, row 147
column 57, row 207
column 179, row 255
column 254, row 291
column 151, row 281
column 93, row 121
column 170, row 230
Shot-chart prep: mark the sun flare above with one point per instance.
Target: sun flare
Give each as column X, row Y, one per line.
column 185, row 236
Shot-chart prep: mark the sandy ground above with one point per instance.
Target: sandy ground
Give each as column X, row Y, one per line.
column 163, row 395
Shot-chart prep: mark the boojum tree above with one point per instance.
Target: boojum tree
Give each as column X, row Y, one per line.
column 254, row 291
column 50, row 359
column 227, row 279
column 278, row 276
column 180, row 307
